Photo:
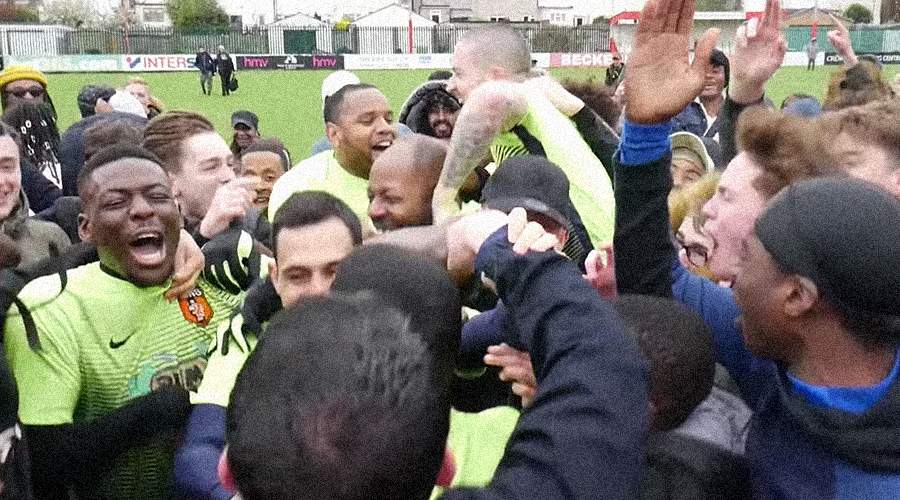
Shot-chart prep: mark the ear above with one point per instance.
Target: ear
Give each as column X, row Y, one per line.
column 173, row 181
column 84, row 228
column 801, row 297
column 333, row 132
column 273, row 274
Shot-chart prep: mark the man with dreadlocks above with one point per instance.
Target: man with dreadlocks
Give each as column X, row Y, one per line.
column 35, row 123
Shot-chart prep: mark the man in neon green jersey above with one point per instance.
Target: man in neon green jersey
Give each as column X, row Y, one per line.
column 507, row 112
column 102, row 360
column 359, row 126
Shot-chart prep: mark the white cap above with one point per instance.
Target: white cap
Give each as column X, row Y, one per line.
column 127, row 103
column 693, row 144
column 336, row 81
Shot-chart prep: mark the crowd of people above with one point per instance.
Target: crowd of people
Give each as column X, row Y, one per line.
column 657, row 285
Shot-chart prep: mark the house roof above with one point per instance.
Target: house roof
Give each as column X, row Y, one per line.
column 418, row 19
column 299, row 19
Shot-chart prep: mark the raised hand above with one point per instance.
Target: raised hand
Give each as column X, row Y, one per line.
column 759, row 52
column 840, row 39
column 661, row 81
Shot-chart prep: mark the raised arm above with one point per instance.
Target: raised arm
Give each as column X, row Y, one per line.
column 840, row 40
column 493, row 108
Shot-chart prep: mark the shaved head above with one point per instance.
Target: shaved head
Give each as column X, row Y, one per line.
column 499, row 46
column 415, row 152
column 402, row 181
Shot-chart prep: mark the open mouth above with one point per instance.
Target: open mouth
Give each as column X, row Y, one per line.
column 148, row 248
column 379, row 147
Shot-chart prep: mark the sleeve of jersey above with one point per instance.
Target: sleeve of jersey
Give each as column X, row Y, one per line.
column 48, row 379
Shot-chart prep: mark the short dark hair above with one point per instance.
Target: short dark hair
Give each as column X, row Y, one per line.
column 270, row 146
column 441, row 74
column 332, row 107
column 311, row 207
column 109, row 155
column 110, row 132
column 678, row 347
column 349, row 409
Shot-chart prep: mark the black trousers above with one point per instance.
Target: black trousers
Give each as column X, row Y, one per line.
column 226, row 81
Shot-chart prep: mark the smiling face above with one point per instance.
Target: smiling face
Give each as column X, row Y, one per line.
column 206, row 163
column 364, row 128
column 266, row 168
column 731, row 213
column 10, row 176
column 131, row 217
column 244, row 136
column 399, row 196
column 441, row 120
column 714, row 82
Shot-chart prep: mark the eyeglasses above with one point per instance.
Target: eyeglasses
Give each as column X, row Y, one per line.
column 696, row 254
column 35, row 92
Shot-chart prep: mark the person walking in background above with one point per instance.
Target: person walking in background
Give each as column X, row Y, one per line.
column 225, row 67
column 207, row 66
column 615, row 71
column 812, row 50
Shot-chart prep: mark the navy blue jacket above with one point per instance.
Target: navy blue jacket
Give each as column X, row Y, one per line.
column 796, row 450
column 583, row 437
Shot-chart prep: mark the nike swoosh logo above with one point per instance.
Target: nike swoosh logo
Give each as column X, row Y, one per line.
column 115, row 345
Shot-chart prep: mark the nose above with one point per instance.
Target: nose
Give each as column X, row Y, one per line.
column 709, row 209
column 140, row 208
column 320, row 284
column 376, row 210
column 385, row 127
column 226, row 174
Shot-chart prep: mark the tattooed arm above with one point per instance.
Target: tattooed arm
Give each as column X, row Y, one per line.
column 493, row 108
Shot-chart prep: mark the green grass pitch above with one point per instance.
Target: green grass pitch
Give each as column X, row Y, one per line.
column 289, row 102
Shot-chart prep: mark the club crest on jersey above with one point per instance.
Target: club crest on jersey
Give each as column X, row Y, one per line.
column 196, row 308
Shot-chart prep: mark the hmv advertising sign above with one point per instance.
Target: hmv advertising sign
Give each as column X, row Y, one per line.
column 291, row 62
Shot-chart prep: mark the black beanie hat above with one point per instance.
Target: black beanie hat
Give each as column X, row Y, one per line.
column 87, row 98
column 842, row 234
column 415, row 286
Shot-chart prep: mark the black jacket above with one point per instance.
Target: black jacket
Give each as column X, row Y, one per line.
column 583, row 437
column 224, row 65
column 204, row 62
column 40, row 191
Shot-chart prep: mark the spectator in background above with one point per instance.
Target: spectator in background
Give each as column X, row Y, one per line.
column 431, row 110
column 90, row 97
column 615, row 71
column 225, row 68
column 812, row 50
column 856, row 85
column 207, row 66
column 126, row 102
column 441, row 74
column 23, row 83
column 690, row 160
column 803, row 105
column 34, row 239
column 246, row 130
column 700, row 116
column 35, row 123
column 265, row 161
column 139, row 88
